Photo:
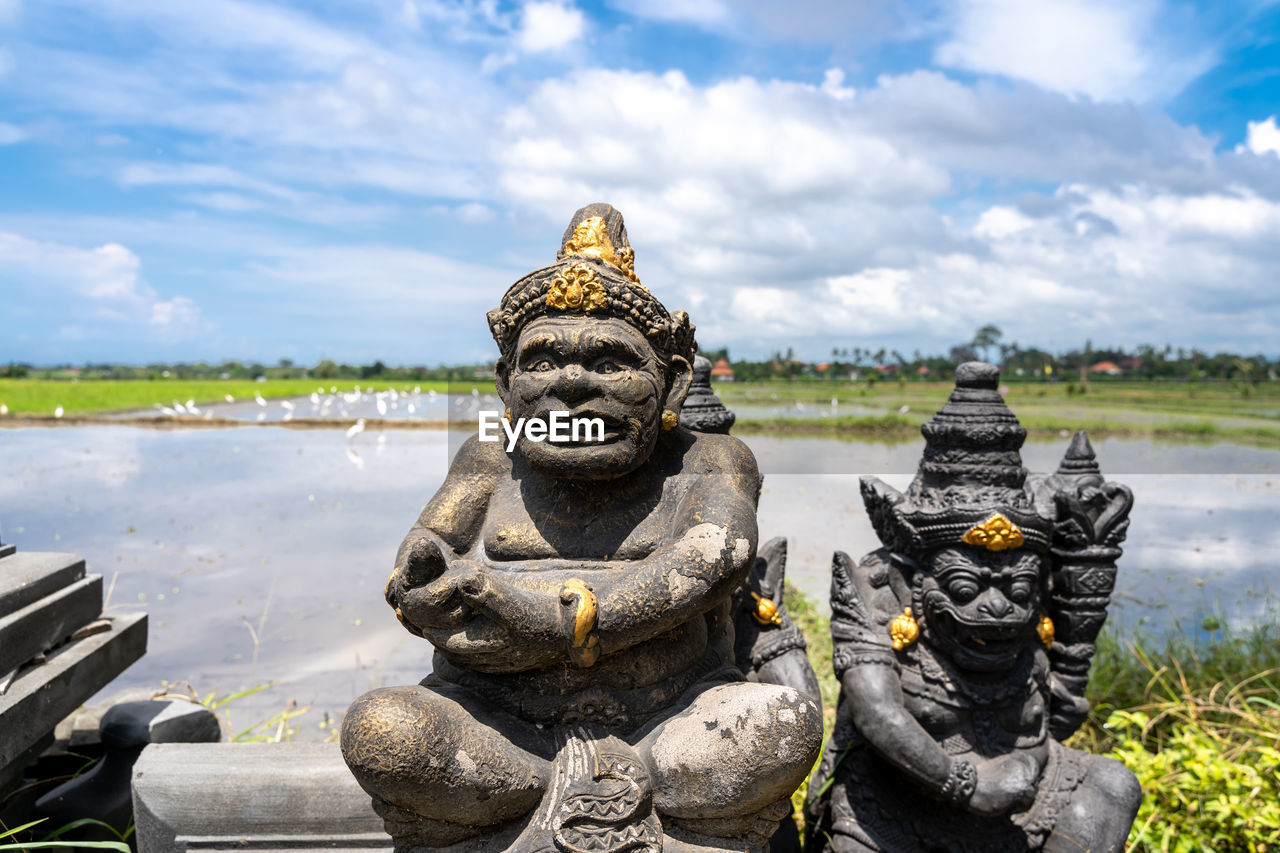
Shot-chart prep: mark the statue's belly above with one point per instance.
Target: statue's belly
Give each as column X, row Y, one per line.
column 621, row 690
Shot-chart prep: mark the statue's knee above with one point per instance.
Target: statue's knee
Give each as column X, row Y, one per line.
column 384, row 730
column 742, row 747
column 1115, row 784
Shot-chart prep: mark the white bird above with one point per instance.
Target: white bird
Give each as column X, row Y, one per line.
column 354, row 457
column 262, row 416
column 257, row 398
column 382, row 407
column 191, row 405
column 315, row 398
column 355, row 429
column 288, row 416
column 287, row 405
column 333, row 389
column 412, row 408
column 229, row 398
column 179, row 408
column 4, row 410
column 902, row 410
column 834, row 402
column 57, row 413
column 165, row 410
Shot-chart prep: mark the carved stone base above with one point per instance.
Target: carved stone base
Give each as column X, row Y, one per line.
column 600, row 800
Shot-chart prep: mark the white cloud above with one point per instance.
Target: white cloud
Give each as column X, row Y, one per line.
column 10, row 134
column 1101, row 49
column 102, row 285
column 550, row 25
column 10, row 12
column 700, row 12
column 1263, row 137
column 833, row 85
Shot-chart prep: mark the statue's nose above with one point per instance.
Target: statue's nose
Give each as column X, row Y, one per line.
column 995, row 605
column 573, row 384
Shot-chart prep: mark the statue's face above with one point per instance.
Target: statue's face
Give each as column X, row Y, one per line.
column 980, row 606
column 591, row 368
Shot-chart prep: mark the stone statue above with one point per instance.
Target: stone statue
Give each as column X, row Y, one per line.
column 962, row 648
column 702, row 410
column 584, row 693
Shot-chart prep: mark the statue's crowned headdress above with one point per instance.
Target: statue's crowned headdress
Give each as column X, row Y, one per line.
column 594, row 274
column 971, row 486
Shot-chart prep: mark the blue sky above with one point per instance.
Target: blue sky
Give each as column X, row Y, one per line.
column 264, row 180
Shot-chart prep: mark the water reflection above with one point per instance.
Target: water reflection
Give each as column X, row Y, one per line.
column 291, row 533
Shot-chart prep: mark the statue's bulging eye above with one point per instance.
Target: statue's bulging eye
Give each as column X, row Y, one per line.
column 542, row 365
column 963, row 591
column 1020, row 592
column 607, row 366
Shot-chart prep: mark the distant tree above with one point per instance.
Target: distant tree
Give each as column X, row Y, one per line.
column 985, row 338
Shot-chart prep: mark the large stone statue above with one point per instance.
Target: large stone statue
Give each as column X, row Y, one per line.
column 963, row 646
column 584, row 696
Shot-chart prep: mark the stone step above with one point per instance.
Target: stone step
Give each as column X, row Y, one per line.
column 42, row 695
column 6, row 550
column 250, row 796
column 43, row 624
column 29, row 577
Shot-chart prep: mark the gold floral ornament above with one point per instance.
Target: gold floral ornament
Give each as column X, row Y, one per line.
column 904, row 630
column 590, row 239
column 997, row 533
column 1044, row 628
column 766, row 612
column 577, row 289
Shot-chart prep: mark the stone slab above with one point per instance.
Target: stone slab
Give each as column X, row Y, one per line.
column 44, row 694
column 44, row 623
column 250, row 796
column 6, row 550
column 29, row 577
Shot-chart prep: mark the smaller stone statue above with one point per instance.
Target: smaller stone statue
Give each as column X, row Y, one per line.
column 963, row 646
column 702, row 410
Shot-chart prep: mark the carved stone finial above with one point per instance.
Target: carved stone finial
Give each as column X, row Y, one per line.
column 703, row 411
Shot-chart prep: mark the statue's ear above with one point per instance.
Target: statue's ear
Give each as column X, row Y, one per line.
column 680, row 375
column 502, row 379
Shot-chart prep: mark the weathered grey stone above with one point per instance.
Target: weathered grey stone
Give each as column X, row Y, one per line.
column 80, row 728
column 42, row 624
column 6, row 550
column 159, row 721
column 264, row 797
column 43, row 694
column 29, row 577
column 104, row 793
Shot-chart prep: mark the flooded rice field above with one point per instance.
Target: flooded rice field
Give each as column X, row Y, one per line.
column 260, row 554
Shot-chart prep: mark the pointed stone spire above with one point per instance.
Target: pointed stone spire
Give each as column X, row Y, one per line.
column 702, row 410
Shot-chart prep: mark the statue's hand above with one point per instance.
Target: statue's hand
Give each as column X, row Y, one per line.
column 423, row 588
column 1005, row 783
column 529, row 618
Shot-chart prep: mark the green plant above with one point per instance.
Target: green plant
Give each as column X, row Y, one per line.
column 48, row 842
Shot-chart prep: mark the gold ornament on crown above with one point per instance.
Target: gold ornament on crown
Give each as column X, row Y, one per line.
column 590, row 239
column 577, row 289
column 997, row 533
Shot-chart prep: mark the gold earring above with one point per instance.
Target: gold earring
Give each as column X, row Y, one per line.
column 669, row 419
column 506, row 416
column 903, row 630
column 1044, row 628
